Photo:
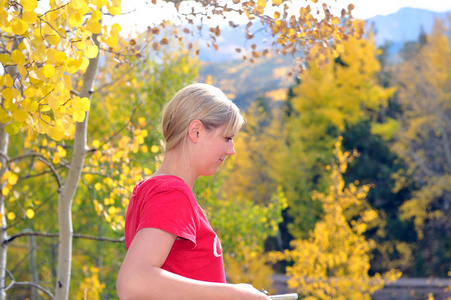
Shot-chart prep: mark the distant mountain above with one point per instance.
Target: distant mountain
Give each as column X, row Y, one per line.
column 404, row 25
column 243, row 81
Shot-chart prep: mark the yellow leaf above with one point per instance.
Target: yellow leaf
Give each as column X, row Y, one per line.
column 29, row 5
column 112, row 41
column 53, row 39
column 13, row 128
column 91, row 51
column 89, row 178
column 8, row 80
column 108, row 181
column 7, row 93
column 79, row 115
column 60, row 56
column 3, row 115
column 154, row 149
column 48, row 30
column 67, row 80
column 30, row 92
column 71, row 65
column 4, row 58
column 84, row 64
column 276, row 2
column 51, row 16
column 94, row 26
column 3, row 16
column 115, row 29
column 81, row 103
column 36, row 74
column 80, row 45
column 57, row 134
column 22, row 70
column 19, row 27
column 12, row 178
column 114, row 10
column 30, row 17
column 29, row 105
column 76, row 20
column 30, row 213
column 96, row 15
column 147, row 171
column 51, row 55
column 100, row 3
column 18, row 57
column 61, row 151
column 5, row 191
column 19, row 115
column 142, row 122
column 98, row 186
column 48, row 70
column 95, row 144
column 11, row 216
column 53, row 102
column 76, row 4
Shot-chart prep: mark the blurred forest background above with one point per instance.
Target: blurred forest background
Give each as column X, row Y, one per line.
column 341, row 178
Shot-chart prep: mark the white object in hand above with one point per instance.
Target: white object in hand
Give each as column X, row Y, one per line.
column 284, row 297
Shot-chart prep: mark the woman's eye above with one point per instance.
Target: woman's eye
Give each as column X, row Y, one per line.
column 228, row 139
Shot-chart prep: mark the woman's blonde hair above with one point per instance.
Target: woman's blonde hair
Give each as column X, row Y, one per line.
column 203, row 102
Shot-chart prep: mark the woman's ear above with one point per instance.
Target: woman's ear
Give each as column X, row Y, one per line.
column 193, row 131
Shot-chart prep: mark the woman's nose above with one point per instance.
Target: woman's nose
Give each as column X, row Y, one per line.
column 230, row 148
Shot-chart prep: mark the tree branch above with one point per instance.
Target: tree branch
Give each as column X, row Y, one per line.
column 53, row 235
column 27, row 283
column 14, row 282
column 41, row 158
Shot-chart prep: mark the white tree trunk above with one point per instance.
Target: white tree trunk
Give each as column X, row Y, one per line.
column 4, row 140
column 34, row 278
column 67, row 192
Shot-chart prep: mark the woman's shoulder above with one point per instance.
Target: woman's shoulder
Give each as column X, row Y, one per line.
column 163, row 183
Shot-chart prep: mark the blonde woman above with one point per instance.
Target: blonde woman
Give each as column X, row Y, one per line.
column 172, row 251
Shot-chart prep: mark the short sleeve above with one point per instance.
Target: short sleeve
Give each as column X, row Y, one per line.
column 169, row 210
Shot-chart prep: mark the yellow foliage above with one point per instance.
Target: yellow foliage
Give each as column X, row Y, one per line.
column 49, row 49
column 419, row 207
column 333, row 262
column 423, row 139
column 254, row 269
column 91, row 287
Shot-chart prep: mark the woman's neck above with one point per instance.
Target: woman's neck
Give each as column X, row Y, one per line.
column 175, row 164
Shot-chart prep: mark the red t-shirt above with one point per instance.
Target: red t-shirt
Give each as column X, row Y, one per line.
column 167, row 203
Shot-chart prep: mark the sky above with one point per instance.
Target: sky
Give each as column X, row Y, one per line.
column 142, row 15
column 365, row 9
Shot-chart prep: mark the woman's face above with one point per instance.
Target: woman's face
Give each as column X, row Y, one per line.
column 214, row 146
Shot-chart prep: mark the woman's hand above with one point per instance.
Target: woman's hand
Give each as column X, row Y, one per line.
column 247, row 291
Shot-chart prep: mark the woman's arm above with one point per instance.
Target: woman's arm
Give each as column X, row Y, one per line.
column 141, row 276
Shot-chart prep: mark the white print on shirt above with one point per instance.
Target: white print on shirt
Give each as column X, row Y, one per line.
column 217, row 248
